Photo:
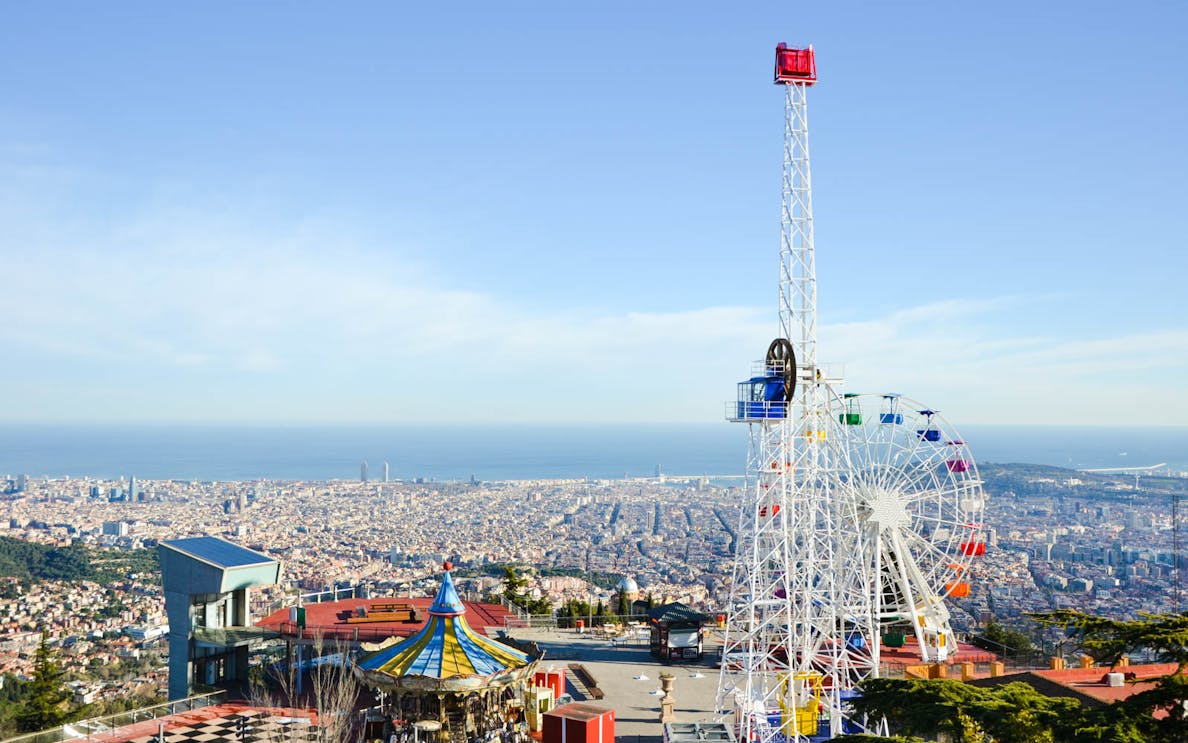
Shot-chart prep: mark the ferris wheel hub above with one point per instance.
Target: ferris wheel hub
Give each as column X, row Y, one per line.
column 888, row 510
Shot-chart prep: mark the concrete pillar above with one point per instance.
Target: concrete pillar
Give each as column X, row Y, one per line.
column 1085, row 661
column 177, row 608
column 967, row 671
column 1056, row 663
column 997, row 668
column 239, row 614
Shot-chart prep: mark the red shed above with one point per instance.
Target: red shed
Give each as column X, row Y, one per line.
column 579, row 723
column 554, row 680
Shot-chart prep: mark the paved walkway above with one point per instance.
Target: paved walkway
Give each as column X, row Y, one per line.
column 629, row 677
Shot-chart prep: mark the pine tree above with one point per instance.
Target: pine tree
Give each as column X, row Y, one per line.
column 44, row 707
column 1156, row 715
column 513, row 584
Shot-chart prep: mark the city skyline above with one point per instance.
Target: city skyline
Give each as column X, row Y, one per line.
column 510, row 215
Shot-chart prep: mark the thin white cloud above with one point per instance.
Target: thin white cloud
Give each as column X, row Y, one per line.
column 313, row 321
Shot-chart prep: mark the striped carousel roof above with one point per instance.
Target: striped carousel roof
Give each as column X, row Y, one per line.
column 446, row 647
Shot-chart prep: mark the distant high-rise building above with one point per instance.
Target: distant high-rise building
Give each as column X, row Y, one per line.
column 133, row 489
column 363, row 471
column 385, row 471
column 115, row 528
column 22, row 483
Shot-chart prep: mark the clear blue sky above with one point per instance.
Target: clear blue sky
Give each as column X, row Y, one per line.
column 492, row 211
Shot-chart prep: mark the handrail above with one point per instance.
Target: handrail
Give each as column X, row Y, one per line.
column 351, row 633
column 95, row 728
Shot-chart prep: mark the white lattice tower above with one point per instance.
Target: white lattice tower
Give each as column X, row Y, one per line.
column 783, row 615
column 852, row 523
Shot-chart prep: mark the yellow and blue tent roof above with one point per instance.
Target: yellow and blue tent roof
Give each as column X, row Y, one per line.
column 446, row 646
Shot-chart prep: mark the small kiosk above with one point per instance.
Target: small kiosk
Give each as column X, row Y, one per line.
column 677, row 632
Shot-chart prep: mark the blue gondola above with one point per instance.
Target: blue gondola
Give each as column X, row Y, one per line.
column 929, row 432
column 891, row 415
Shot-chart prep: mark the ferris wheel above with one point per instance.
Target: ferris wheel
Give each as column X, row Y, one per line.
column 911, row 521
column 861, row 515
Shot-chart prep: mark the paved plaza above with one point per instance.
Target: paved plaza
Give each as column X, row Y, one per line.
column 629, row 677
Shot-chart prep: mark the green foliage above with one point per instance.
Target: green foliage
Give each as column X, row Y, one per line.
column 1010, row 642
column 1013, row 712
column 46, row 694
column 1107, row 640
column 1016, row 713
column 13, row 689
column 112, row 566
column 32, row 561
column 572, row 610
column 21, row 559
column 600, row 579
column 12, row 692
column 513, row 585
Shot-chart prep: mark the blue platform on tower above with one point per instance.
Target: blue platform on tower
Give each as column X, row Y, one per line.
column 761, row 398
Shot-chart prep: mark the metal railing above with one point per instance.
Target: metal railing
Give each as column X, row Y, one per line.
column 99, row 729
column 232, row 635
column 744, row 410
column 342, row 632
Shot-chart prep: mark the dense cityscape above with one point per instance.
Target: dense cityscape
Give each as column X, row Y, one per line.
column 1103, row 544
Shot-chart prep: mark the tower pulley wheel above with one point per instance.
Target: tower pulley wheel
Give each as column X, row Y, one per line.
column 782, row 359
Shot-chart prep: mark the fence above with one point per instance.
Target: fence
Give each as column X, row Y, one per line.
column 98, row 729
column 339, row 632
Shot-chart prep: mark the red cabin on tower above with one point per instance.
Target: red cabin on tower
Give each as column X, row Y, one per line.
column 795, row 66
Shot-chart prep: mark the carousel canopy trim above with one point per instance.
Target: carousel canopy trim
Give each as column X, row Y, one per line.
column 446, row 647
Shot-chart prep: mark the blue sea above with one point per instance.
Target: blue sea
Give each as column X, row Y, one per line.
column 505, row 452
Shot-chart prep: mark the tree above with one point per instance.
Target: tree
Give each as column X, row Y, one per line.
column 572, row 610
column 332, row 692
column 1010, row 642
column 1013, row 712
column 1107, row 640
column 44, row 705
column 513, row 585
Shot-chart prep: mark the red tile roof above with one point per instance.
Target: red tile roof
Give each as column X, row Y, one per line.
column 325, row 618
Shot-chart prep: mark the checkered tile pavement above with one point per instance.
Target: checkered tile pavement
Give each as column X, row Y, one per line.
column 260, row 727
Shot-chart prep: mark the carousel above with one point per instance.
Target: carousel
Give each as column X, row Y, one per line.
column 449, row 682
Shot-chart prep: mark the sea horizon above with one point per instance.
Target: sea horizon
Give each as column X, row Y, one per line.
column 523, row 451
